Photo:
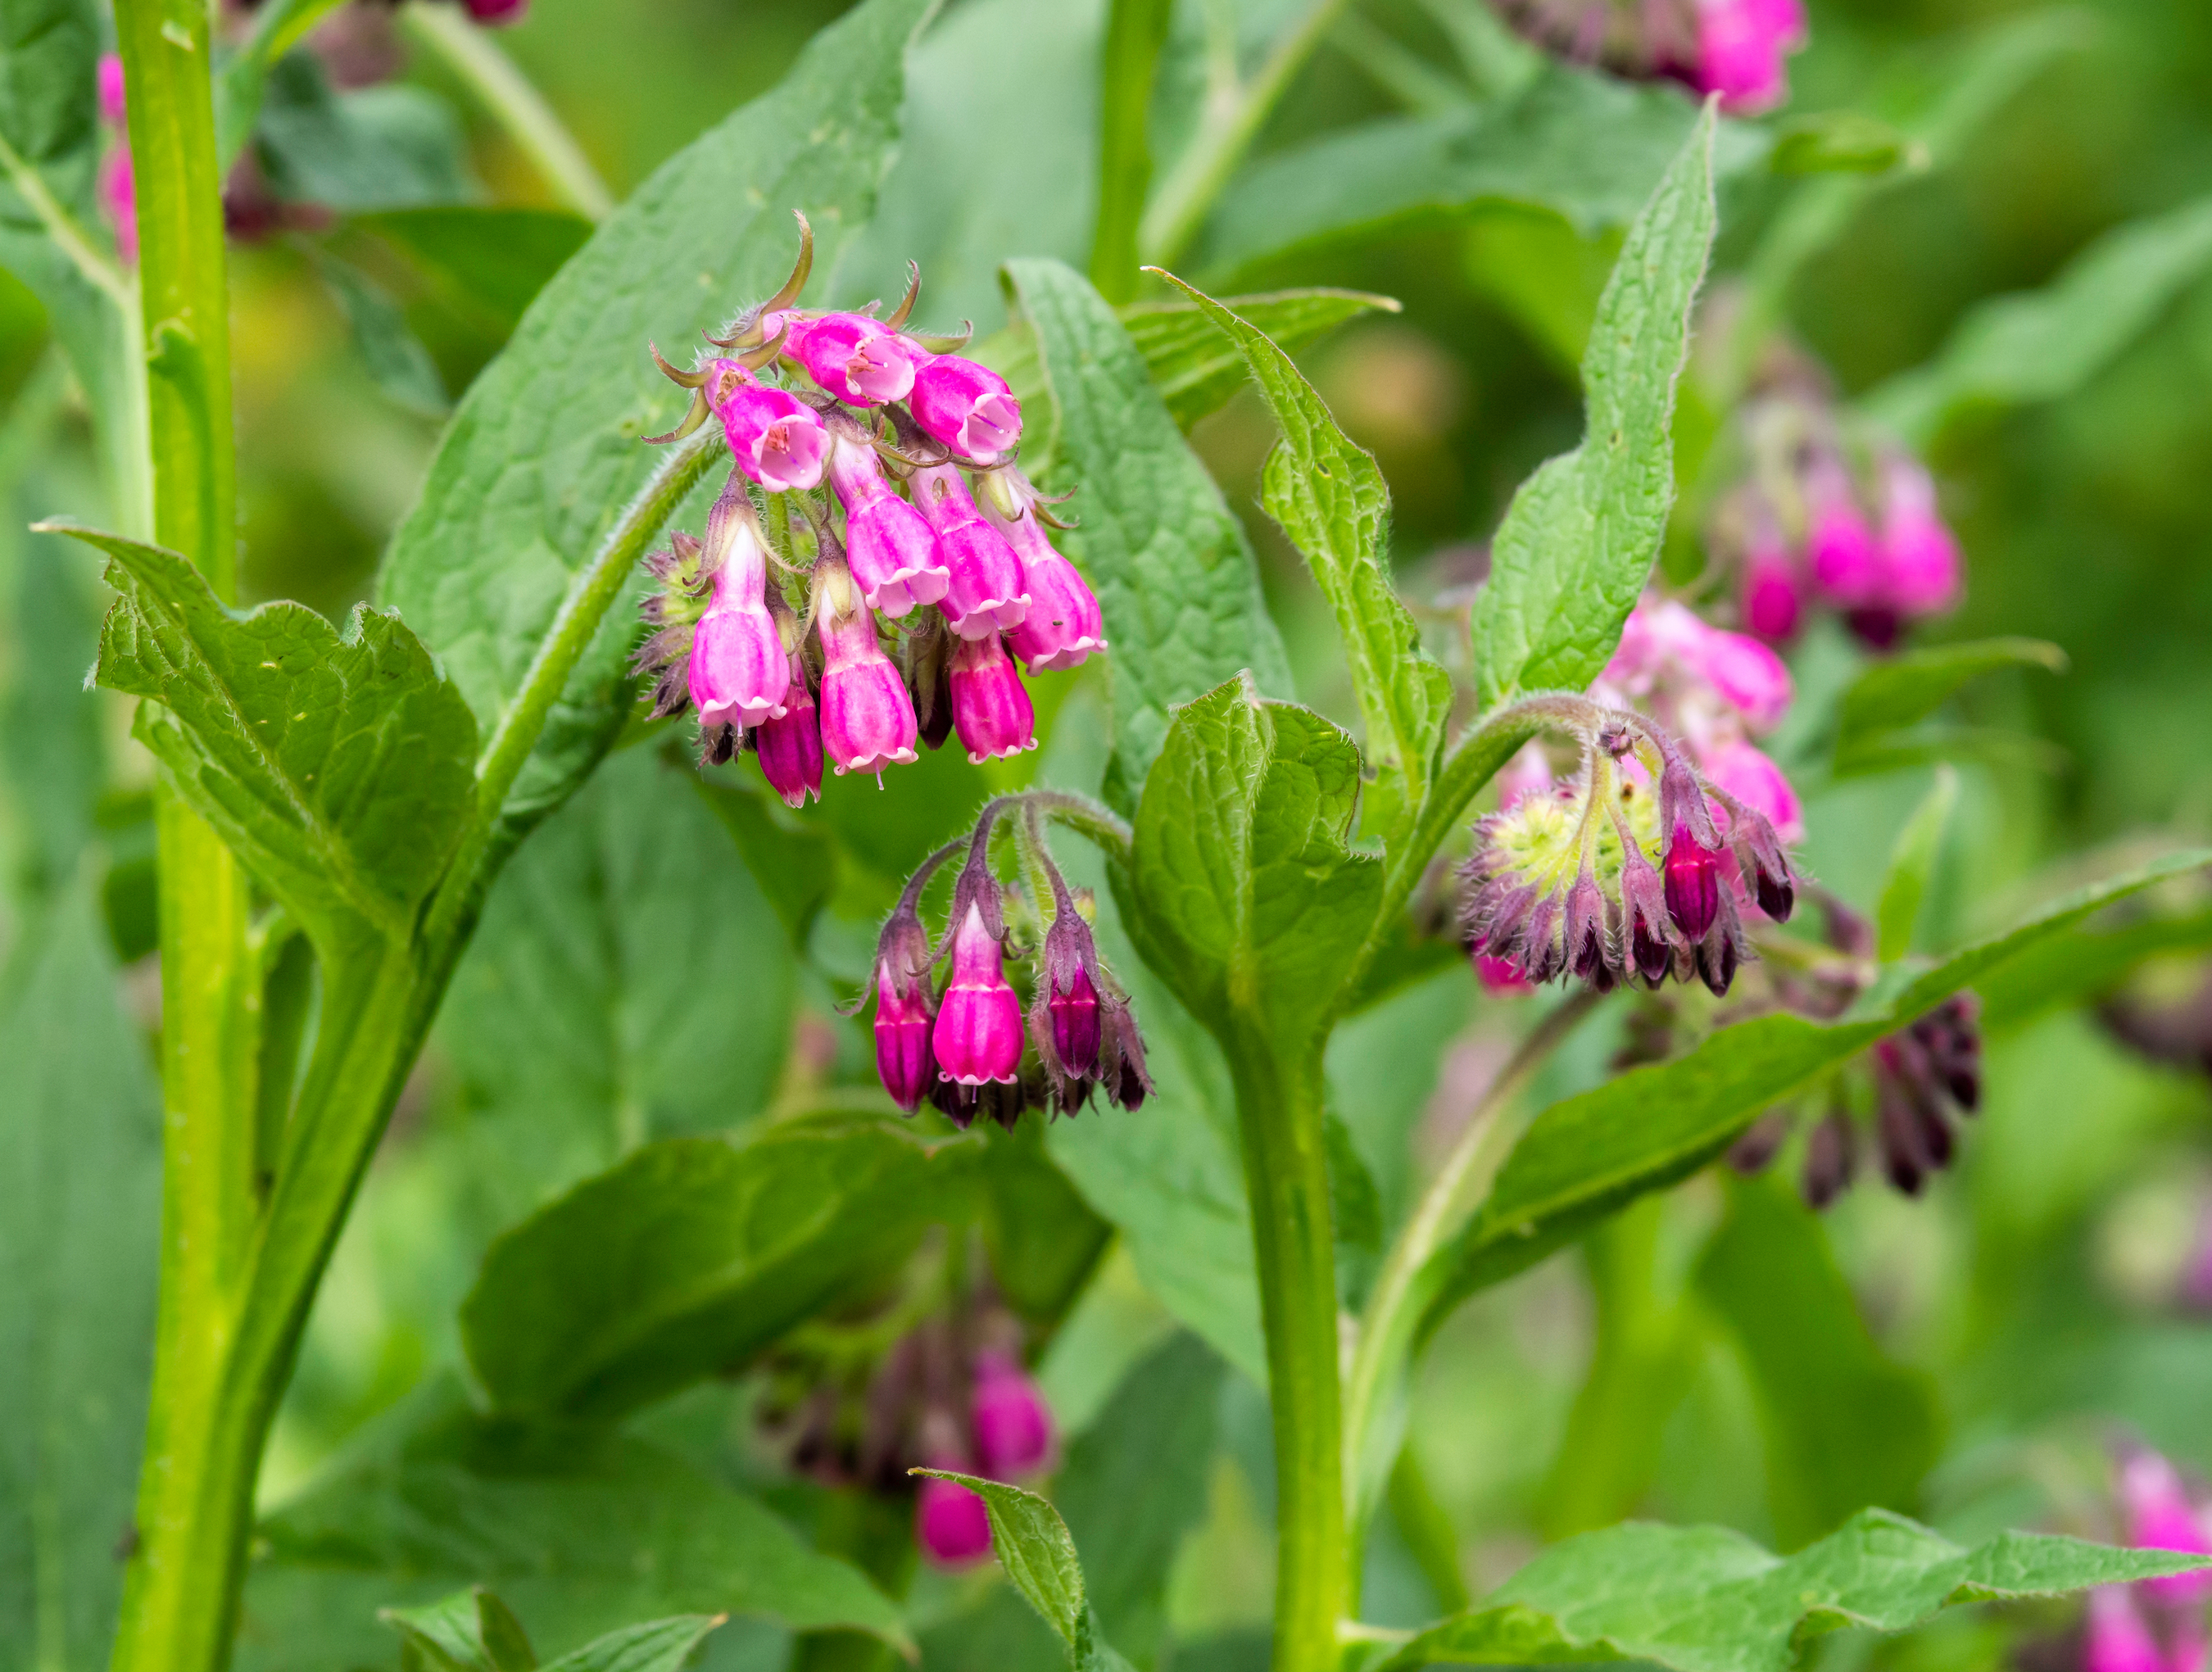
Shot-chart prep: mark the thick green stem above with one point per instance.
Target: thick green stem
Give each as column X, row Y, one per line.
column 1278, row 1107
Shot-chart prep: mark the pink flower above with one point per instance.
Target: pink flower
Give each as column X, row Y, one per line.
column 789, row 744
column 978, row 1035
column 967, row 407
column 2117, row 1639
column 860, row 361
column 1500, row 977
column 497, row 11
column 1011, row 1422
column 867, row 718
column 776, row 438
column 986, row 592
column 1749, row 776
column 1064, row 624
column 949, row 1522
column 1920, row 558
column 1741, row 45
column 1749, row 678
column 1661, row 637
column 112, row 110
column 903, row 1016
column 893, row 555
column 1846, row 562
column 990, row 708
column 1774, row 597
column 739, row 670
column 2161, row 1516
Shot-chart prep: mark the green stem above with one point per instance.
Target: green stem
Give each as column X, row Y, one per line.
column 1279, row 1109
column 1224, row 137
column 510, row 99
column 1136, row 32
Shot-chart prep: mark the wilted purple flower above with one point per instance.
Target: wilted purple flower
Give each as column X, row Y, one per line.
column 891, row 548
column 964, row 406
column 985, row 593
column 990, row 707
column 867, row 720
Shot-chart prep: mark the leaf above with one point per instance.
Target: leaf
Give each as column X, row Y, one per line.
column 794, row 862
column 1044, row 1240
column 1585, row 1158
column 1578, row 543
column 396, row 360
column 387, row 146
column 1705, row 1599
column 1330, row 497
column 489, row 261
column 80, row 1212
column 2084, row 963
column 581, row 1528
column 53, row 760
column 693, row 1255
column 1032, row 1544
column 1900, row 690
column 543, row 451
column 1242, row 893
column 1587, row 146
column 2041, row 345
column 1911, row 862
column 1196, row 372
column 470, row 1631
column 1845, row 1426
column 660, row 1645
column 1843, row 141
column 338, row 766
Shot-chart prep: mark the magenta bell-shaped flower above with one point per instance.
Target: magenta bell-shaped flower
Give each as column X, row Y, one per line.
column 1772, row 599
column 789, row 744
column 904, row 1012
column 892, row 552
column 1844, row 559
column 775, row 437
column 2161, row 1516
column 978, row 1035
column 1064, row 624
column 964, row 406
column 867, row 718
column 740, row 671
column 1072, row 1009
column 862, row 362
column 985, row 592
column 1749, row 678
column 1011, row 1423
column 990, row 706
column 949, row 1522
column 1920, row 558
column 1741, row 45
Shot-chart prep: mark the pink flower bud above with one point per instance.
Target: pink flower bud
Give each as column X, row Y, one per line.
column 862, row 362
column 1772, row 599
column 903, row 1011
column 1073, row 1010
column 984, row 593
column 2161, row 1516
column 1741, row 45
column 1920, row 558
column 1501, row 977
column 990, row 707
column 494, row 12
column 892, row 553
column 1846, row 562
column 967, row 407
column 112, row 110
column 949, row 1522
column 2117, row 1639
column 1013, row 1424
column 978, row 1035
column 1692, row 872
column 789, row 744
column 1064, row 624
column 867, row 718
column 1752, row 778
column 1750, row 677
column 740, row 671
column 776, row 438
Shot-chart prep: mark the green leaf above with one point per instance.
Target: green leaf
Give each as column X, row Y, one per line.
column 1912, row 862
column 1845, row 1426
column 1584, row 145
column 1242, row 893
column 1174, row 573
column 1136, row 31
column 1843, row 141
column 581, row 1528
column 52, row 759
column 487, row 261
column 1578, row 543
column 545, row 450
column 1032, row 1544
column 387, row 146
column 1330, row 497
column 794, row 862
column 659, row 1645
column 1196, row 372
column 1902, row 690
column 1705, row 1599
column 395, row 358
column 1584, row 1158
column 1043, row 1239
column 470, row 1631
column 338, row 766
column 2041, row 345
column 693, row 1255
column 2084, row 963
column 80, row 1214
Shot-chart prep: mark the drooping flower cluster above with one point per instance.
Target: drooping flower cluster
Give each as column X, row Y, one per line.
column 960, row 1044
column 1736, row 48
column 926, row 520
column 1829, row 514
column 951, row 1393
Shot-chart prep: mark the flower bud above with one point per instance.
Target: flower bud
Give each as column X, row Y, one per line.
column 1830, row 1158
column 1587, row 941
column 867, row 720
column 1741, row 45
column 1064, row 624
column 493, row 13
column 1068, row 988
column 1692, row 873
column 777, row 439
column 1122, row 1054
column 949, row 1522
column 1650, row 942
column 1772, row 599
column 1501, row 977
column 789, row 744
column 990, row 706
column 1013, row 1425
column 739, row 672
column 1846, row 563
column 1749, row 678
column 890, row 549
column 1920, row 558
column 2162, row 1517
column 978, row 1035
column 862, row 362
column 984, row 593
column 903, row 1010
column 964, row 406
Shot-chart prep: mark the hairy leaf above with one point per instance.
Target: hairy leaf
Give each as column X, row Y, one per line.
column 387, row 146
column 1584, row 1158
column 545, row 450
column 658, row 1645
column 1330, row 499
column 1032, row 1544
column 1900, row 690
column 1584, row 145
column 1578, row 543
column 693, row 1255
column 485, row 262
column 2086, row 962
column 1196, row 372
column 1174, row 573
column 1912, row 862
column 338, row 765
column 1705, row 1599
column 470, row 1631
column 394, row 357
